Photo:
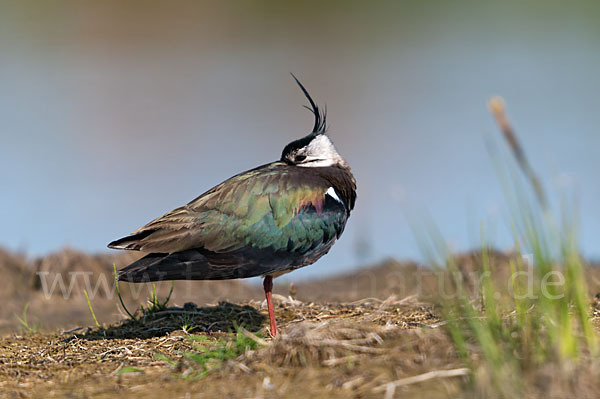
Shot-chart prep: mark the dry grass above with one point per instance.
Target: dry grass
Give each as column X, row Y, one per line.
column 338, row 346
column 327, row 340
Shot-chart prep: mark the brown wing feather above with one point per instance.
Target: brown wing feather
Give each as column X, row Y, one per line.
column 188, row 226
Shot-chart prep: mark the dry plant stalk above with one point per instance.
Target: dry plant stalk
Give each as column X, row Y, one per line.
column 496, row 105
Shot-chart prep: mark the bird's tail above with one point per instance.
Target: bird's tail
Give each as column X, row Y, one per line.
column 165, row 267
column 189, row 265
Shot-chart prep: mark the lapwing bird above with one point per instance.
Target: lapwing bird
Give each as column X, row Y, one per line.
column 267, row 221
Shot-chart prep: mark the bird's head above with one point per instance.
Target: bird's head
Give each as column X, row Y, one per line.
column 316, row 149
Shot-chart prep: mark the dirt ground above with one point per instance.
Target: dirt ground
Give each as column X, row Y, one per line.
column 325, row 350
column 374, row 333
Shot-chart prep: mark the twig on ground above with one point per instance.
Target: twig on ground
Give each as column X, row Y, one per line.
column 253, row 337
column 421, row 378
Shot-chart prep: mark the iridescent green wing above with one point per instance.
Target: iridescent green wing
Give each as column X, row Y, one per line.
column 274, row 208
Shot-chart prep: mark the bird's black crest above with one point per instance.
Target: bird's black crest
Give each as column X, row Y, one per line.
column 320, row 126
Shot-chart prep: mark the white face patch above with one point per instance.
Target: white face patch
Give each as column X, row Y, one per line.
column 320, row 152
column 331, row 192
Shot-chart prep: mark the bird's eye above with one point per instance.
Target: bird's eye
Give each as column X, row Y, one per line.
column 300, row 158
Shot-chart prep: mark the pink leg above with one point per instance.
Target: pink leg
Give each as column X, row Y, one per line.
column 268, row 286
